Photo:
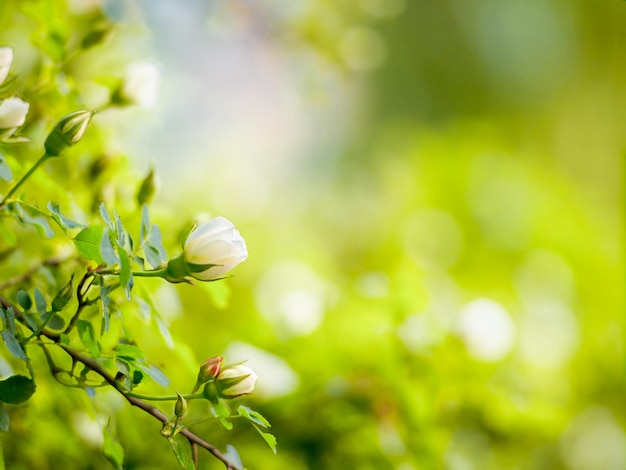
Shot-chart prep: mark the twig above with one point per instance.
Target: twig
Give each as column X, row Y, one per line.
column 95, row 366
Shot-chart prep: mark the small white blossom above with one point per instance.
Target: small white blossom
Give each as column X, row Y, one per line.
column 6, row 60
column 13, row 112
column 213, row 249
column 141, row 84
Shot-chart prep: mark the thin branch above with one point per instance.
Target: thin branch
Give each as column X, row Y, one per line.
column 110, row 379
column 31, row 272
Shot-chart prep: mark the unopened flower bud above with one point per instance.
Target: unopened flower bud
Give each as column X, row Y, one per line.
column 209, row 369
column 180, row 409
column 69, row 130
column 6, row 60
column 235, row 381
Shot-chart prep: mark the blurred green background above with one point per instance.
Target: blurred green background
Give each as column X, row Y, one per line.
column 432, row 198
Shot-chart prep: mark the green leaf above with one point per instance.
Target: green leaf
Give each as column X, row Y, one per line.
column 182, row 457
column 144, row 229
column 156, row 374
column 105, row 216
column 269, row 438
column 129, row 352
column 88, row 243
column 4, row 419
column 14, row 346
column 253, row 416
column 106, row 301
column 16, row 389
column 87, row 336
column 61, row 219
column 40, row 302
column 107, row 251
column 221, row 412
column 112, row 450
column 232, row 455
column 8, row 319
column 5, row 170
column 126, row 275
column 53, row 321
column 24, row 300
column 63, row 296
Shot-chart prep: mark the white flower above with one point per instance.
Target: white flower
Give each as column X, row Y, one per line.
column 213, row 249
column 13, row 112
column 141, row 84
column 236, row 381
column 6, row 59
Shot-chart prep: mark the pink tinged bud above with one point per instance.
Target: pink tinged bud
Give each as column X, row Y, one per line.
column 236, row 381
column 210, row 369
column 213, row 249
column 6, row 60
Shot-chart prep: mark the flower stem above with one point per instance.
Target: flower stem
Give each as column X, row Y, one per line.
column 191, row 396
column 43, row 158
column 155, row 273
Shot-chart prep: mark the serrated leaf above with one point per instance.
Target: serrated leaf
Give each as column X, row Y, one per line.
column 183, row 458
column 88, row 243
column 106, row 301
column 4, row 419
column 87, row 336
column 40, row 302
column 221, row 412
column 153, row 257
column 156, row 374
column 61, row 219
column 121, row 232
column 253, row 416
column 105, row 216
column 112, row 450
column 40, row 223
column 14, row 347
column 5, row 170
column 16, row 389
column 23, row 298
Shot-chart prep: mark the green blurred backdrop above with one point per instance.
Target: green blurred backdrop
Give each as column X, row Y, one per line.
column 432, row 197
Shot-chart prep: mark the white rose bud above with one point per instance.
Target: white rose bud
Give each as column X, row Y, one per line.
column 6, row 60
column 140, row 85
column 235, row 381
column 211, row 250
column 69, row 130
column 13, row 112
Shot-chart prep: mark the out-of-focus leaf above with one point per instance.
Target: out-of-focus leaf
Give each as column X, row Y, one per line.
column 156, row 374
column 13, row 345
column 63, row 296
column 182, row 457
column 88, row 337
column 5, row 170
column 53, row 321
column 129, row 352
column 16, row 389
column 105, row 216
column 23, row 298
column 126, row 275
column 4, row 421
column 40, row 302
column 8, row 319
column 232, row 455
column 112, row 450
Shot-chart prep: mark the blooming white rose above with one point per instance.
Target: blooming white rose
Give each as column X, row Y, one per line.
column 6, row 59
column 213, row 249
column 141, row 84
column 13, row 112
column 236, row 381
